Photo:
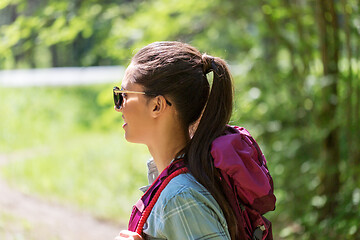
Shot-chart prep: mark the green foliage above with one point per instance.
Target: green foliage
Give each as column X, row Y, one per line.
column 280, row 54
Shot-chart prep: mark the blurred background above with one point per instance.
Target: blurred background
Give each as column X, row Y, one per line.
column 296, row 67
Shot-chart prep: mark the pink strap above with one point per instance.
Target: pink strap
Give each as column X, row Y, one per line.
column 151, row 205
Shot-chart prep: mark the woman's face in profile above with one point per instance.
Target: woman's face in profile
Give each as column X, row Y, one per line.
column 135, row 111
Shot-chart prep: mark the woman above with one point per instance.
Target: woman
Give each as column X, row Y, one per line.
column 165, row 93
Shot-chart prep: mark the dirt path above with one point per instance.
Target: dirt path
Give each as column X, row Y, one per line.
column 29, row 217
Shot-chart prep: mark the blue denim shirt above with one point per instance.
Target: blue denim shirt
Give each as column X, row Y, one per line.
column 186, row 210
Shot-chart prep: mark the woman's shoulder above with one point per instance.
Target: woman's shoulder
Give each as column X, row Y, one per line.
column 184, row 184
column 185, row 188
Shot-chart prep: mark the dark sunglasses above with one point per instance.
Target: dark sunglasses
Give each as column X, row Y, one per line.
column 118, row 97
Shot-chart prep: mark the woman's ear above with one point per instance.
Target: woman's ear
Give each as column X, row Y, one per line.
column 158, row 106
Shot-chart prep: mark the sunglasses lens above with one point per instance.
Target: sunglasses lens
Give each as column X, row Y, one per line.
column 118, row 99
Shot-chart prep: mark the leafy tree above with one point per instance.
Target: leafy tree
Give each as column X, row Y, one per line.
column 296, row 66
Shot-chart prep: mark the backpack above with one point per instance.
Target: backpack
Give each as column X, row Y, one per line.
column 246, row 180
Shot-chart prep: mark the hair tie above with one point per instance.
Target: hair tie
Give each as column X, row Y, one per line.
column 208, row 63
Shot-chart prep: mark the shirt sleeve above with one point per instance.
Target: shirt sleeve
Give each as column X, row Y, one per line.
column 189, row 215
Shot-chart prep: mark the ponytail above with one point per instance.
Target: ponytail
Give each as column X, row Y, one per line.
column 212, row 124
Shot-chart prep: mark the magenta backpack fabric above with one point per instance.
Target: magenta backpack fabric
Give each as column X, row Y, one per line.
column 249, row 184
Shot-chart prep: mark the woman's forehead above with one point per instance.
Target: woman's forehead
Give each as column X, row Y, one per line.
column 128, row 77
column 129, row 83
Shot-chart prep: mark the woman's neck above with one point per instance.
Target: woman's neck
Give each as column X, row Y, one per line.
column 166, row 145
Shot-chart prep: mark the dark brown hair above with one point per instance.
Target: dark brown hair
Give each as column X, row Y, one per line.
column 179, row 71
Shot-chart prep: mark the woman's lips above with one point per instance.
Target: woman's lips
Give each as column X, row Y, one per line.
column 125, row 123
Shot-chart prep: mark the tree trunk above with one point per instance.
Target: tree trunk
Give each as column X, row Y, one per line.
column 329, row 44
column 349, row 123
column 357, row 115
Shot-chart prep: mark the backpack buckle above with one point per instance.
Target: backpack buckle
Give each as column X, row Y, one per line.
column 258, row 233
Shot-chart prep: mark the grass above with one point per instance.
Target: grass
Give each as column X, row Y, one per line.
column 12, row 227
column 95, row 171
column 76, row 152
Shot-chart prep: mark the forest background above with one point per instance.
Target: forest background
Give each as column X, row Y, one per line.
column 296, row 67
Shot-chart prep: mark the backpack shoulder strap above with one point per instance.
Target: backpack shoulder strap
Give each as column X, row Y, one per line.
column 151, row 205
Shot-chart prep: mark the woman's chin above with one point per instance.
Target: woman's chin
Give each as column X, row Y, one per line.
column 132, row 139
column 129, row 138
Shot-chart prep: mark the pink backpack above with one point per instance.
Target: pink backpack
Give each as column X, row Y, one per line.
column 247, row 181
column 247, row 184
